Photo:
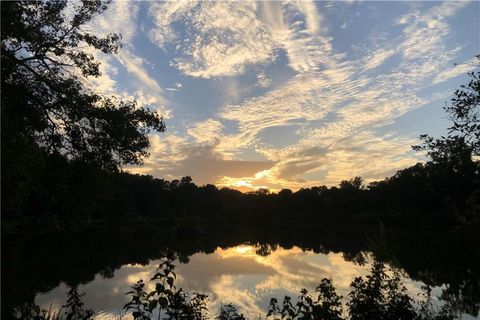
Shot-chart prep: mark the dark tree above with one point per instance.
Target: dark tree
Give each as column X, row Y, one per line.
column 463, row 138
column 354, row 183
column 454, row 169
column 46, row 56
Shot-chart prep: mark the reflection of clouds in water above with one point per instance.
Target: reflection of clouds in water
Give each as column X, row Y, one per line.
column 105, row 296
column 228, row 290
column 234, row 275
column 204, row 270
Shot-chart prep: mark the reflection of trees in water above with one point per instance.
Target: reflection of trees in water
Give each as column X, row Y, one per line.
column 463, row 296
column 431, row 256
column 265, row 249
column 380, row 295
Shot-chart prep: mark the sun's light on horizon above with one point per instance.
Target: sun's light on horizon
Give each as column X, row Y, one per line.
column 275, row 95
column 244, row 184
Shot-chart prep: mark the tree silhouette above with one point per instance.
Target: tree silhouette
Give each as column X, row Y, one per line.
column 463, row 138
column 46, row 55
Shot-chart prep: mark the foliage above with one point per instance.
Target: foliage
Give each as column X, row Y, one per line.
column 463, row 139
column 47, row 57
column 381, row 295
column 327, row 305
column 354, row 183
column 229, row 312
column 72, row 310
column 428, row 311
column 175, row 304
column 455, row 154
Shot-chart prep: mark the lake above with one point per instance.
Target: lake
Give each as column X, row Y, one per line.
column 105, row 264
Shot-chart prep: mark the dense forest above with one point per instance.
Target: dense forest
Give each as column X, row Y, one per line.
column 77, row 194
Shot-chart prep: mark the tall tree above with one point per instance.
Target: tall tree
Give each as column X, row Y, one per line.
column 46, row 54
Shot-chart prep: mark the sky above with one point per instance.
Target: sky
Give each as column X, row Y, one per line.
column 288, row 94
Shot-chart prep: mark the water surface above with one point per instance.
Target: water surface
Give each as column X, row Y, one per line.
column 244, row 275
column 238, row 265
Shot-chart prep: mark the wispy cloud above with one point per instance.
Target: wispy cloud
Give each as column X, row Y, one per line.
column 347, row 104
column 122, row 16
column 456, row 70
column 276, row 65
column 219, row 39
column 208, row 131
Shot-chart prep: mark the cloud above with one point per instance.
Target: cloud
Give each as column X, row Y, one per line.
column 173, row 157
column 220, row 38
column 135, row 66
column 378, row 57
column 122, row 17
column 455, row 71
column 424, row 47
column 206, row 131
column 337, row 102
column 263, row 81
column 223, row 38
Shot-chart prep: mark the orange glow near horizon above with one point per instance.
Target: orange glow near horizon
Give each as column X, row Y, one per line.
column 245, row 184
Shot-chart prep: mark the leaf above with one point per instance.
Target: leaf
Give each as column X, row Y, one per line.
column 159, row 288
column 152, row 305
column 163, row 301
column 170, row 281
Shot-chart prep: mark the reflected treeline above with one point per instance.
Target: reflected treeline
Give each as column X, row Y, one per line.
column 436, row 257
column 379, row 295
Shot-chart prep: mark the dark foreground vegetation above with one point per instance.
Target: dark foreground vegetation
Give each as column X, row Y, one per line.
column 380, row 295
column 437, row 257
column 64, row 146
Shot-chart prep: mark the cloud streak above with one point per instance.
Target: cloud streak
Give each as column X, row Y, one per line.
column 282, row 65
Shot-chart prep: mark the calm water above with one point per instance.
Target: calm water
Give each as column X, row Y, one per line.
column 233, row 275
column 231, row 265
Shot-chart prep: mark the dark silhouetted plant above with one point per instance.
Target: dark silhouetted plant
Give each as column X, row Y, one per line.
column 165, row 299
column 139, row 305
column 74, row 309
column 327, row 305
column 428, row 311
column 380, row 296
column 229, row 312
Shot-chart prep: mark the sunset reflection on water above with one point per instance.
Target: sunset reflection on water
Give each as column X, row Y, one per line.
column 243, row 275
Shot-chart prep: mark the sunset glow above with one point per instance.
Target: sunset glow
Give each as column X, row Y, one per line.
column 232, row 275
column 288, row 94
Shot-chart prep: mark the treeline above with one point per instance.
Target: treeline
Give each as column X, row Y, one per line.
column 76, row 193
